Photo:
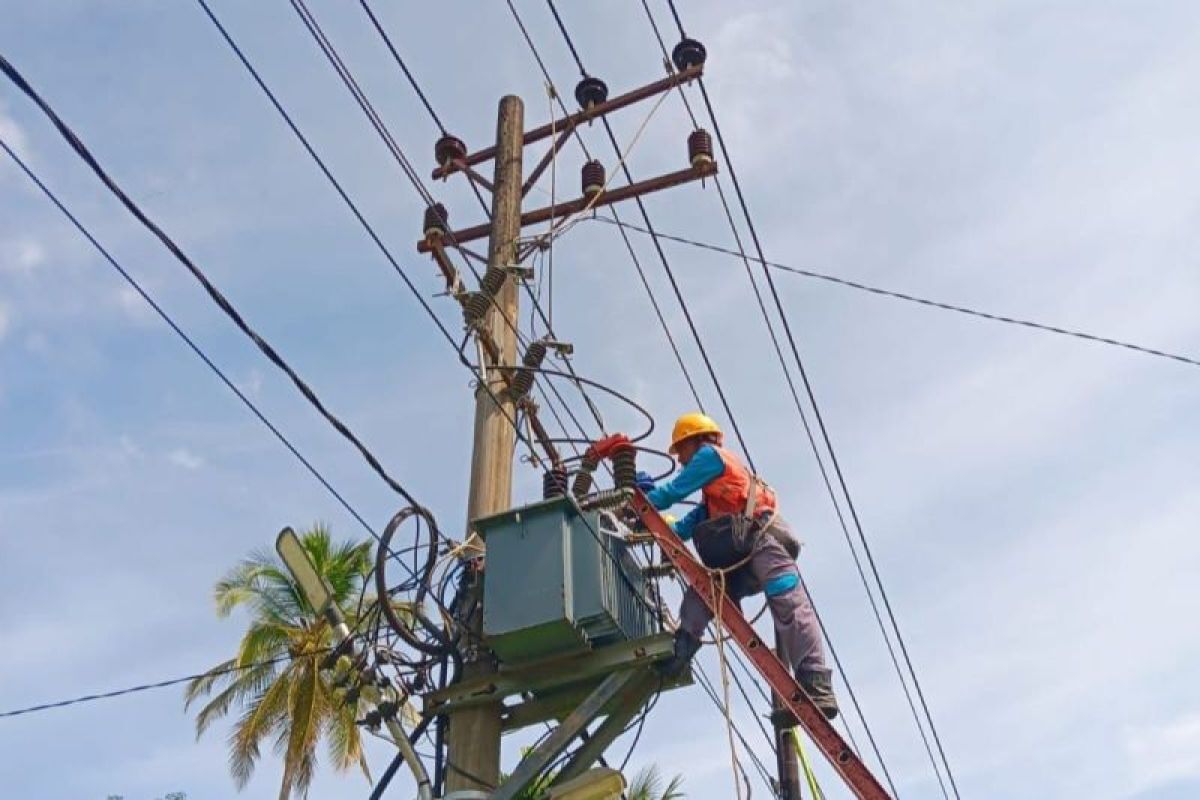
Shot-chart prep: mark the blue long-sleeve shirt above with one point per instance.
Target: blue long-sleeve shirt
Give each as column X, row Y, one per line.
column 706, row 466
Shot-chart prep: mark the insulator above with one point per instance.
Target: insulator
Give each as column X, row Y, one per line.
column 608, row 498
column 474, row 307
column 700, row 147
column 688, row 53
column 593, row 178
column 449, row 148
column 624, row 462
column 535, row 354
column 555, row 482
column 584, row 478
column 522, row 380
column 590, row 92
column 492, row 281
column 436, row 218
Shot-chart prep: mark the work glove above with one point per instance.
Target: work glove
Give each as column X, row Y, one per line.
column 644, row 481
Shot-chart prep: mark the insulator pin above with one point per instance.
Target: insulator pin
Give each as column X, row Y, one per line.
column 555, row 482
column 593, row 178
column 700, row 147
column 688, row 53
column 436, row 220
column 591, row 92
column 449, row 148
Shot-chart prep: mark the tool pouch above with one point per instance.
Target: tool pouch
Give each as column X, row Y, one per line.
column 726, row 540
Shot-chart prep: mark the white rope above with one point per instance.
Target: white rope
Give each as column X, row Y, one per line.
column 570, row 220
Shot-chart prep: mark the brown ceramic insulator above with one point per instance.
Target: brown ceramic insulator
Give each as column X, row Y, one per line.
column 436, row 218
column 700, row 147
column 449, row 148
column 593, row 178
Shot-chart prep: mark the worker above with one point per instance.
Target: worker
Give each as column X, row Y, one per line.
column 737, row 529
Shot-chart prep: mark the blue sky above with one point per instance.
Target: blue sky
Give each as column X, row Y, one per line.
column 1030, row 498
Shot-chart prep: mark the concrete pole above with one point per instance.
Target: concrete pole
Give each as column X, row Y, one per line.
column 473, row 747
column 787, row 765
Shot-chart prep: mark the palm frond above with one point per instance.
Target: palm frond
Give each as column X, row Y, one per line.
column 304, row 715
column 203, row 686
column 265, row 712
column 249, row 683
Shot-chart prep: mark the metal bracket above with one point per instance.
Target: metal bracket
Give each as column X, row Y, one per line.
column 542, row 756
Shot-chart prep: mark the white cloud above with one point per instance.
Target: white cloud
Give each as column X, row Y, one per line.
column 12, row 134
column 1164, row 752
column 182, row 457
column 130, row 448
column 253, row 384
column 21, row 256
column 133, row 304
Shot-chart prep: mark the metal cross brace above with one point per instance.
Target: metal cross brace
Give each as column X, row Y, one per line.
column 542, row 756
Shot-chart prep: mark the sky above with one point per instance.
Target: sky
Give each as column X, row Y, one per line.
column 1029, row 498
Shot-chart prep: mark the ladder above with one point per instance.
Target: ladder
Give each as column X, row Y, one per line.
column 843, row 760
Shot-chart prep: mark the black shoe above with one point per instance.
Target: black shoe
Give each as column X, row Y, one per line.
column 686, row 646
column 818, row 685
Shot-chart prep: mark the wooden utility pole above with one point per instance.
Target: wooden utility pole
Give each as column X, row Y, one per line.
column 474, row 733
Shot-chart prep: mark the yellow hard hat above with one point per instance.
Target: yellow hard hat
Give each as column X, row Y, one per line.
column 692, row 424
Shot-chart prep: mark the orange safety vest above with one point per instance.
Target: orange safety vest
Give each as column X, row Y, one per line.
column 728, row 493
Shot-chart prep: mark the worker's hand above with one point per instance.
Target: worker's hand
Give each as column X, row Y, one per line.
column 644, row 481
column 605, row 447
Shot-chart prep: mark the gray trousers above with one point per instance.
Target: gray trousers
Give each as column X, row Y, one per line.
column 796, row 625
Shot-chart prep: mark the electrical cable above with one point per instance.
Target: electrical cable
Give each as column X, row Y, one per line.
column 367, row 227
column 807, row 428
column 191, row 343
column 347, row 78
column 400, row 63
column 683, row 307
column 214, row 293
column 245, row 61
column 265, row 347
column 566, row 36
column 820, row 420
column 910, row 298
column 145, row 687
column 628, row 244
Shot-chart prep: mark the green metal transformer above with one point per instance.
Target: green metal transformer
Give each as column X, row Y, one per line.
column 558, row 583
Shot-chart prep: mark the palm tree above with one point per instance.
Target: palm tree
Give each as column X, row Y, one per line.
column 648, row 785
column 275, row 678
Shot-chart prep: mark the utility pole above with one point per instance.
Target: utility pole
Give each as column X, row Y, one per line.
column 786, row 764
column 474, row 732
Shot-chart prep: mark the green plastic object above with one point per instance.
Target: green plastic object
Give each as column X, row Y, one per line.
column 552, row 588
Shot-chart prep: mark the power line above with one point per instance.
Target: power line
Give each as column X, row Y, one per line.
column 400, row 62
column 708, row 364
column 145, row 687
column 195, row 348
column 741, row 251
column 637, row 263
column 353, row 207
column 924, row 301
column 817, row 413
column 687, row 315
column 215, row 294
column 381, row 128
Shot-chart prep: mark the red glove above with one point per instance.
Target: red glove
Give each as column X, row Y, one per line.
column 604, row 448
